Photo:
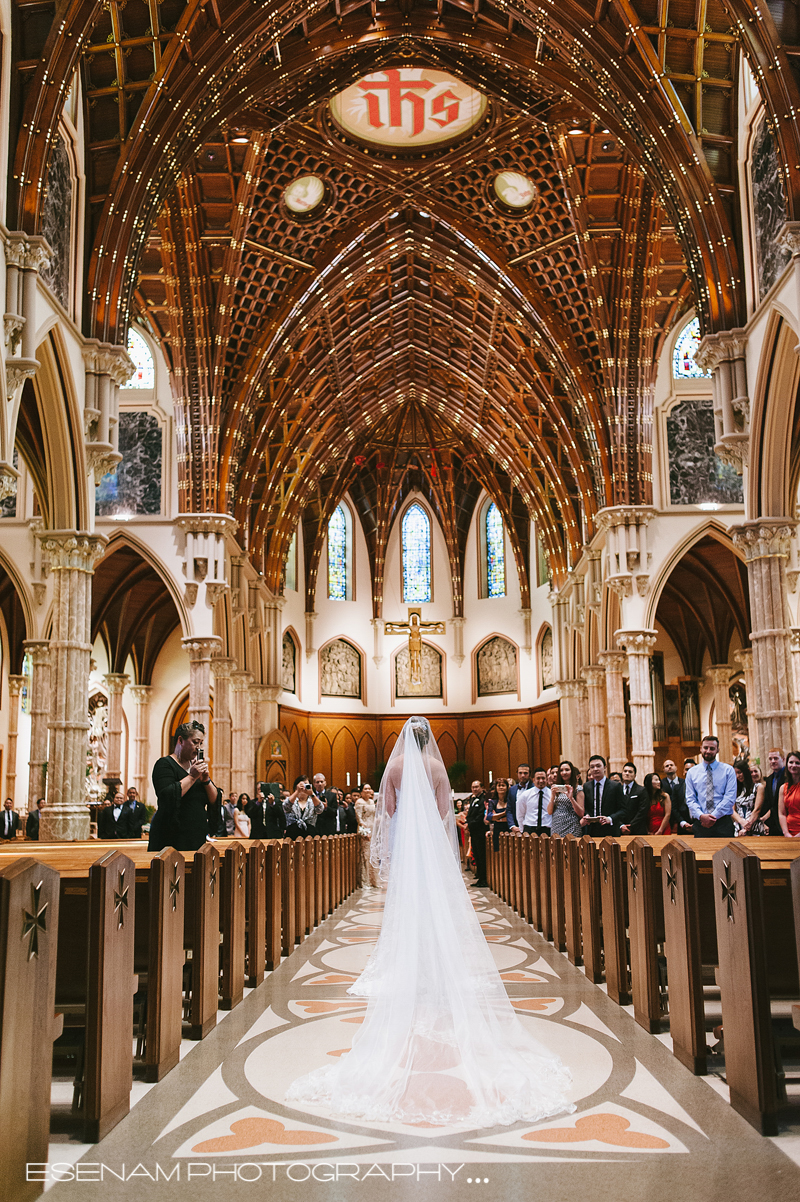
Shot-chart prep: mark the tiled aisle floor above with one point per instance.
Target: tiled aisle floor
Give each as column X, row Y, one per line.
column 644, row 1127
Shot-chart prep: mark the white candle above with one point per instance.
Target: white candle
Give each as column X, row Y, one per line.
column 490, row 776
column 358, row 779
column 348, row 780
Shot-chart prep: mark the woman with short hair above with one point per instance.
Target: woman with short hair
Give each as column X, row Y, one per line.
column 189, row 803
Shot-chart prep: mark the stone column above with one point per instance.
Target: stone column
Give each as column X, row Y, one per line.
column 457, row 626
column 39, row 652
column 241, row 736
column 765, row 544
column 595, row 677
column 72, row 558
column 221, row 668
column 141, row 694
column 574, row 733
column 263, row 718
column 200, row 652
column 720, row 677
column 15, row 687
column 614, row 664
column 639, row 645
column 115, row 682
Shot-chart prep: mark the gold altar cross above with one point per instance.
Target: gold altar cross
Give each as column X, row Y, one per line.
column 414, row 628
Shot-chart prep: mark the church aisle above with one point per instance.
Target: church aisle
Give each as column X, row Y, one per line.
column 218, row 1121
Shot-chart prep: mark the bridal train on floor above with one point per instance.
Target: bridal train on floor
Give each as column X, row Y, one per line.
column 440, row 1042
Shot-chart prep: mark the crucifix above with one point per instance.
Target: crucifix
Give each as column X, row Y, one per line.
column 414, row 628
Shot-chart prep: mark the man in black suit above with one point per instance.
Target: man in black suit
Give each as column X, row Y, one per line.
column 322, row 796
column 477, row 823
column 333, row 819
column 523, row 783
column 602, row 799
column 675, row 787
column 111, row 823
column 772, row 784
column 32, row 824
column 9, row 823
column 350, row 816
column 633, row 818
column 267, row 819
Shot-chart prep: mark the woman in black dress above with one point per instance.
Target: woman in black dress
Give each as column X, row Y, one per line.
column 189, row 803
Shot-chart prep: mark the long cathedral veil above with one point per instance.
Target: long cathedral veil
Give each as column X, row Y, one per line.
column 440, row 1042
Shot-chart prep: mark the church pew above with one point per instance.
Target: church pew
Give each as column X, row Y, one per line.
column 325, row 845
column 501, row 865
column 166, row 895
column 28, row 1025
column 338, row 848
column 612, row 899
column 232, row 925
column 572, row 899
column 319, row 892
column 255, row 914
column 201, row 935
column 515, row 873
column 591, row 908
column 682, row 947
column 646, row 927
column 489, row 861
column 525, row 852
column 535, row 874
column 311, row 878
column 287, row 897
column 273, row 902
column 544, row 887
column 300, row 892
column 557, row 893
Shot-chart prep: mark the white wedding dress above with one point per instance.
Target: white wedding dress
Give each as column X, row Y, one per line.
column 440, row 1042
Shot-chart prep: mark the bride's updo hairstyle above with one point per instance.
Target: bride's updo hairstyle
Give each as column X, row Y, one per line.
column 421, row 731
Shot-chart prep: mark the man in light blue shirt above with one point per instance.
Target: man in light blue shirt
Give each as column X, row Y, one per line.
column 710, row 793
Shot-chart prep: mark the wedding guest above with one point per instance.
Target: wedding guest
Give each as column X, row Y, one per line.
column 789, row 798
column 710, row 793
column 756, row 774
column 365, row 815
column 241, row 820
column 228, row 811
column 566, row 801
column 111, row 818
column 537, row 819
column 189, row 803
column 477, row 822
column 659, row 806
column 267, row 819
column 9, row 823
column 32, row 824
column 776, row 777
column 498, row 809
column 461, row 828
column 602, row 798
column 632, row 820
column 616, row 777
column 522, row 782
column 747, row 815
column 300, row 807
column 136, row 816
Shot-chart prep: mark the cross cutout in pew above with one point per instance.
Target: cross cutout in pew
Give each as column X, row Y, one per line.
column 240, row 872
column 174, row 886
column 212, row 880
column 121, row 900
column 604, row 866
column 728, row 890
column 634, row 870
column 414, row 628
column 672, row 880
column 35, row 921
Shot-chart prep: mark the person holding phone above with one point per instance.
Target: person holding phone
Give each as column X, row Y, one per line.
column 189, row 803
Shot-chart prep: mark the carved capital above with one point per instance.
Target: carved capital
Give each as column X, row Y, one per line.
column 207, row 523
column 202, row 648
column 15, row 249
column 734, row 449
column 789, row 237
column 574, row 690
column 38, row 650
column 719, row 674
column 12, row 328
column 241, row 681
column 612, row 661
column 141, row 693
column 115, row 683
column 726, row 345
column 642, row 585
column 190, row 594
column 38, row 252
column 215, row 592
column 17, row 372
column 101, row 458
column 8, row 480
column 636, row 642
column 624, row 515
column 69, row 550
column 39, row 591
column 594, row 675
column 744, row 657
column 16, row 685
column 621, row 585
column 222, row 667
column 765, row 539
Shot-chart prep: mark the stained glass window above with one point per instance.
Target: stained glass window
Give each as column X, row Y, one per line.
column 683, row 362
column 495, row 553
column 416, row 544
column 337, row 555
column 145, row 373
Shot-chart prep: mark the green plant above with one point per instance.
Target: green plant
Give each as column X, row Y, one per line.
column 458, row 774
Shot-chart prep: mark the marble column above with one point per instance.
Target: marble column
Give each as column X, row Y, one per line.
column 221, row 668
column 38, row 651
column 574, row 731
column 744, row 658
column 595, row 677
column 15, row 687
column 614, row 664
column 115, row 683
column 72, row 557
column 141, row 694
column 200, row 652
column 241, row 733
column 765, row 544
column 263, row 718
column 639, row 645
column 720, row 677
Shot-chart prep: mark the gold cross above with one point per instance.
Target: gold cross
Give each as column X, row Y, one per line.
column 728, row 890
column 174, row 886
column 672, row 880
column 121, row 900
column 414, row 628
column 34, row 920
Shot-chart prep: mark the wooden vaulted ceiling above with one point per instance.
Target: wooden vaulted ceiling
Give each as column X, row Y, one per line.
column 302, row 354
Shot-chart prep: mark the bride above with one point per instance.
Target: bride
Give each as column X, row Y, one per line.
column 440, row 1042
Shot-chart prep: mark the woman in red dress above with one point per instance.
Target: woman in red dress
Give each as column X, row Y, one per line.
column 789, row 798
column 660, row 805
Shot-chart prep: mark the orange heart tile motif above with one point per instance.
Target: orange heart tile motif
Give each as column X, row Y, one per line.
column 605, row 1128
column 320, row 1007
column 532, row 1003
column 252, row 1132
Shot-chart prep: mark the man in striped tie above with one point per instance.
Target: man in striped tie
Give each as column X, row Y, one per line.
column 710, row 793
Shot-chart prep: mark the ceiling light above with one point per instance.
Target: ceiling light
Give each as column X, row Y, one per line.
column 240, row 139
column 709, row 505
